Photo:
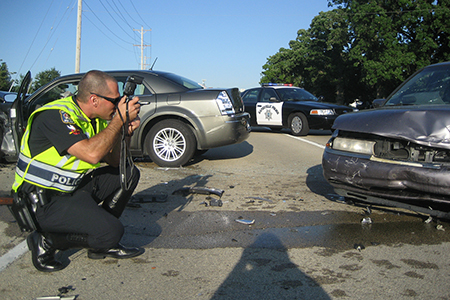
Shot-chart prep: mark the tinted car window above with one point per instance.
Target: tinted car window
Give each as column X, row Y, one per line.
column 431, row 86
column 295, row 94
column 251, row 96
column 57, row 92
column 141, row 89
column 267, row 94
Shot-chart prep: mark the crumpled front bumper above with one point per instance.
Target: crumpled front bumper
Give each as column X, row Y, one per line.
column 387, row 179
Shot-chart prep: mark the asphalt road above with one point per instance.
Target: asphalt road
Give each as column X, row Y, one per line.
column 305, row 243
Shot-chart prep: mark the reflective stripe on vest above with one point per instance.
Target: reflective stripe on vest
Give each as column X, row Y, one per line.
column 48, row 169
column 48, row 176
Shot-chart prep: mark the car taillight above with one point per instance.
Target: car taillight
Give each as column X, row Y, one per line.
column 224, row 103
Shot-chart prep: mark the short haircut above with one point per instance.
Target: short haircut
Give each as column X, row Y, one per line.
column 93, row 81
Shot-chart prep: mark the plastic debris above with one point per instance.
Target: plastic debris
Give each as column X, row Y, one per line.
column 440, row 227
column 215, row 202
column 359, row 247
column 366, row 220
column 199, row 190
column 246, row 222
column 427, row 221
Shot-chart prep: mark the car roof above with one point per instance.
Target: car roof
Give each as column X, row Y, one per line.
column 162, row 85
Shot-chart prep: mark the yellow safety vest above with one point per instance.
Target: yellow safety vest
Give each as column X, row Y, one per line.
column 48, row 169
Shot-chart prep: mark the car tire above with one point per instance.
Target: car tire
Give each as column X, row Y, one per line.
column 298, row 124
column 170, row 143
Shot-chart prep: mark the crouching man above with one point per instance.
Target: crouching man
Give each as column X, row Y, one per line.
column 60, row 155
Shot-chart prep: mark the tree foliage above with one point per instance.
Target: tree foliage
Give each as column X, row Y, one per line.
column 5, row 77
column 43, row 78
column 363, row 48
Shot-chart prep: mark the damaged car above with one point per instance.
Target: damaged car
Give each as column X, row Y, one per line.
column 179, row 118
column 397, row 154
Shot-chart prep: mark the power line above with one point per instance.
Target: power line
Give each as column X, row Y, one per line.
column 139, row 14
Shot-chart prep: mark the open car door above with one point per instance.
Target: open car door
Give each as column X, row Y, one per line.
column 16, row 115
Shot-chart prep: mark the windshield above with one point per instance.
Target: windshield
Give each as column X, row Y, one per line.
column 187, row 83
column 430, row 86
column 292, row 94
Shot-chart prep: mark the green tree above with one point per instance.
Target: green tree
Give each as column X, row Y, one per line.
column 44, row 77
column 5, row 77
column 391, row 39
column 364, row 48
column 317, row 59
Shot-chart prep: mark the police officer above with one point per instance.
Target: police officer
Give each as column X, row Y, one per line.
column 60, row 156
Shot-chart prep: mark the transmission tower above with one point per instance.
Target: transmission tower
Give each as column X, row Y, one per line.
column 142, row 30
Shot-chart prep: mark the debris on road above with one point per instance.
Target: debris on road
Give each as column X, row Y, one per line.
column 259, row 198
column 366, row 221
column 215, row 202
column 427, row 221
column 245, row 222
column 359, row 247
column 199, row 190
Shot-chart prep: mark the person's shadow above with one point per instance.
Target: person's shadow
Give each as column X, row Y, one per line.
column 149, row 206
column 266, row 272
column 144, row 210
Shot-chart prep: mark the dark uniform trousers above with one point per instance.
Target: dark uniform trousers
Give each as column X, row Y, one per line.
column 92, row 209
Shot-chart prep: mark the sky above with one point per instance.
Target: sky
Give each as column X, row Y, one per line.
column 221, row 43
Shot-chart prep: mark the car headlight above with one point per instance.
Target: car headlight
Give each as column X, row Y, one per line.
column 322, row 112
column 224, row 103
column 352, row 145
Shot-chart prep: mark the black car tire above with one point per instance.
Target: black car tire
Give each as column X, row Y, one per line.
column 298, row 124
column 170, row 143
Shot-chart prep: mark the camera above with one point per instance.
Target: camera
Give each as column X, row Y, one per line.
column 130, row 87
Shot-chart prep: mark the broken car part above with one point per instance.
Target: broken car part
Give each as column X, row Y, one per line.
column 246, row 222
column 199, row 190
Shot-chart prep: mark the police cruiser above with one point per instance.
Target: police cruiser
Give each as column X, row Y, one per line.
column 280, row 106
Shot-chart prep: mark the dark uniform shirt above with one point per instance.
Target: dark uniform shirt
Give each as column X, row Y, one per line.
column 49, row 129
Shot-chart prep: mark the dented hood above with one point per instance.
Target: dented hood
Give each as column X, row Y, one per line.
column 424, row 125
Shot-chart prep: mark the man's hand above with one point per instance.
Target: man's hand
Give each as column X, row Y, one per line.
column 132, row 108
column 133, row 125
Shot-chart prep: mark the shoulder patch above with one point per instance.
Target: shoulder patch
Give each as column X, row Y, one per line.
column 65, row 118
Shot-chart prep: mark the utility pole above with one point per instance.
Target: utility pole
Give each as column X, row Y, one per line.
column 142, row 45
column 78, row 49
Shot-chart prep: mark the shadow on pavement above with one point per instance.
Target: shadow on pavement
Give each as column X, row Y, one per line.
column 317, row 183
column 151, row 206
column 265, row 271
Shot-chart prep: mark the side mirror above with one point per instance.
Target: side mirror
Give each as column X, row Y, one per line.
column 10, row 97
column 378, row 102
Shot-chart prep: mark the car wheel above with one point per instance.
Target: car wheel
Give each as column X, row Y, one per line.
column 298, row 124
column 170, row 143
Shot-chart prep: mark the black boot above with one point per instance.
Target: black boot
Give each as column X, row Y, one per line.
column 43, row 253
column 119, row 252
